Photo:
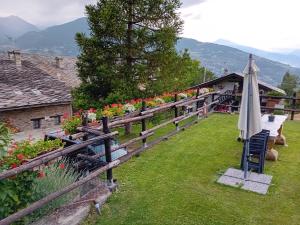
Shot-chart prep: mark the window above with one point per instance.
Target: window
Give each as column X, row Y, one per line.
column 36, row 123
column 57, row 120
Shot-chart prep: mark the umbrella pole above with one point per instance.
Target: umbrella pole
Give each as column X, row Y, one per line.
column 249, row 101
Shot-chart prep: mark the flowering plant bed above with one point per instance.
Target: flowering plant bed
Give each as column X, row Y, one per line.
column 130, row 106
column 21, row 152
column 70, row 124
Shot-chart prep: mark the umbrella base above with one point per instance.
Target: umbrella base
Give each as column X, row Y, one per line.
column 255, row 182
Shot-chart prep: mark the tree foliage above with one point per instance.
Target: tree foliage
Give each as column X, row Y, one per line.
column 132, row 42
column 289, row 83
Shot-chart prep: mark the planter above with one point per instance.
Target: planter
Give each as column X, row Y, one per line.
column 271, row 118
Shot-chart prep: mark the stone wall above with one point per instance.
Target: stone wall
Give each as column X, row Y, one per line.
column 22, row 118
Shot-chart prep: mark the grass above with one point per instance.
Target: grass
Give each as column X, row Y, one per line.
column 175, row 182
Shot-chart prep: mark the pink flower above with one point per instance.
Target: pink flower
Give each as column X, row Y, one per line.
column 62, row 166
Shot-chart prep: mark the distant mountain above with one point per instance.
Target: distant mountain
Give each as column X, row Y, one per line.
column 59, row 40
column 292, row 58
column 217, row 57
column 12, row 27
column 56, row 39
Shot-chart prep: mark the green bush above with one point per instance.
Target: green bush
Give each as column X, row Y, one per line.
column 278, row 112
column 54, row 177
column 16, row 193
column 275, row 94
column 4, row 140
column 70, row 125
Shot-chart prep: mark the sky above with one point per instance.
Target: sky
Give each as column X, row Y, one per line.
column 264, row 24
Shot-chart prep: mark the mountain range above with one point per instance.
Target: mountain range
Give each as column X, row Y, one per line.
column 12, row 27
column 291, row 58
column 59, row 40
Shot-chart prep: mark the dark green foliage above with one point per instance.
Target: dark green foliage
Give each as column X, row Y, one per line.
column 16, row 193
column 4, row 139
column 131, row 43
column 289, row 83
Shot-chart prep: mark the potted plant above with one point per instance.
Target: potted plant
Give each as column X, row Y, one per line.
column 70, row 125
column 271, row 117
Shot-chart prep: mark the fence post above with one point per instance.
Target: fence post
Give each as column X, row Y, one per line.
column 293, row 105
column 144, row 123
column 197, row 103
column 84, row 124
column 176, row 111
column 107, row 144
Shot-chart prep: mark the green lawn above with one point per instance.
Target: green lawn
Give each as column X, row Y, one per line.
column 175, row 182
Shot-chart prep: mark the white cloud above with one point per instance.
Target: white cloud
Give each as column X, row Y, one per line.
column 265, row 24
column 44, row 12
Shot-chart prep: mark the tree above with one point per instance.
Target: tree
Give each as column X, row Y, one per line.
column 289, row 83
column 129, row 44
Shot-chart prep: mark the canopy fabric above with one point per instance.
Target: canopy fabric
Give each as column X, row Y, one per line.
column 254, row 106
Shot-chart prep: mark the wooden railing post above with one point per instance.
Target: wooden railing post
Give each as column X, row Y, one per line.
column 84, row 118
column 198, row 103
column 176, row 111
column 293, row 105
column 107, row 144
column 144, row 123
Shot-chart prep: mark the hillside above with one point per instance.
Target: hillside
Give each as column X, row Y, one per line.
column 217, row 57
column 59, row 40
column 292, row 58
column 12, row 27
column 56, row 40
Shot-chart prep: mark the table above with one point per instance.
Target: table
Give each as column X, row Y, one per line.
column 276, row 136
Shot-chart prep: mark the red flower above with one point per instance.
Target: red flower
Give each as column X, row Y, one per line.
column 41, row 174
column 77, row 114
column 62, row 166
column 65, row 116
column 13, row 165
column 20, row 157
column 114, row 105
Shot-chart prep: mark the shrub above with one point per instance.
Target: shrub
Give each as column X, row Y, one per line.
column 70, row 124
column 22, row 151
column 4, row 140
column 53, row 178
column 16, row 193
column 275, row 93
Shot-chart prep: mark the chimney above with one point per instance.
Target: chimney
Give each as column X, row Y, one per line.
column 17, row 56
column 11, row 55
column 58, row 62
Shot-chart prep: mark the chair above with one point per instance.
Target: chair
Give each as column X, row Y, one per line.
column 258, row 146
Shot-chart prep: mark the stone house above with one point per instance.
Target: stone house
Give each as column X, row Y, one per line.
column 31, row 97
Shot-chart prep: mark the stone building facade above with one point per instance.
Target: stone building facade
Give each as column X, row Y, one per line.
column 31, row 98
column 28, row 119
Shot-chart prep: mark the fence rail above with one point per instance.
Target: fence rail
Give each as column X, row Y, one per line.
column 292, row 110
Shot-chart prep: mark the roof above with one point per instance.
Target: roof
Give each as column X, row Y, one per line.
column 28, row 86
column 234, row 77
column 67, row 73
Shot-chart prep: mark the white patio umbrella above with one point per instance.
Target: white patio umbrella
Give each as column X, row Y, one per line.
column 250, row 114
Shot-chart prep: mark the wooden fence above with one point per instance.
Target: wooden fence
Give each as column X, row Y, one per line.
column 104, row 133
column 291, row 110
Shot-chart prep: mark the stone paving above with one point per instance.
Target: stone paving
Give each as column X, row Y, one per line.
column 255, row 182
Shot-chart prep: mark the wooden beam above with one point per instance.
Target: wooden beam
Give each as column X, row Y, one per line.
column 161, row 125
